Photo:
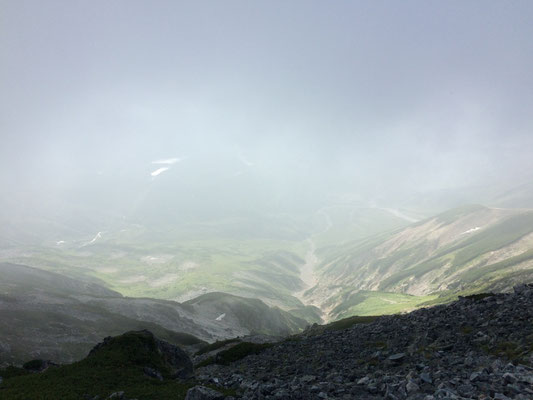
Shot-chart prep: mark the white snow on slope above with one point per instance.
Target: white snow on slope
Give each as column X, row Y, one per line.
column 159, row 171
column 477, row 228
column 98, row 236
column 167, row 161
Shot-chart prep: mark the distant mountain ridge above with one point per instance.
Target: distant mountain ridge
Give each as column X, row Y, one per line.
column 46, row 315
column 465, row 249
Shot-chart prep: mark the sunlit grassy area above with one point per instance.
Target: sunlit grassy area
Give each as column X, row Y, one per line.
column 377, row 303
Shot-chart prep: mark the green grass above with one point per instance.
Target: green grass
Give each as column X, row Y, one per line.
column 218, row 264
column 474, row 274
column 11, row 372
column 515, row 352
column 454, row 214
column 351, row 223
column 364, row 303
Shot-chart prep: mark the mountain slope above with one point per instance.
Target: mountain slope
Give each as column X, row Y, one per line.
column 468, row 248
column 253, row 314
column 46, row 315
column 477, row 347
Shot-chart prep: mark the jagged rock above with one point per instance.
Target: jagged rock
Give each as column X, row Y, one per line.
column 307, row 378
column 501, row 396
column 456, row 351
column 424, row 376
column 116, row 395
column 521, row 289
column 363, row 381
column 412, row 387
column 509, row 378
column 203, row 393
column 397, row 357
column 153, row 373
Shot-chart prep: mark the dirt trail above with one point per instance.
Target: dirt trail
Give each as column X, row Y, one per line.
column 307, row 271
column 307, row 274
column 399, row 214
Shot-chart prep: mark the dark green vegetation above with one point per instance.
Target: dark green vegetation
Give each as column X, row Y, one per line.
column 11, row 372
column 512, row 351
column 117, row 366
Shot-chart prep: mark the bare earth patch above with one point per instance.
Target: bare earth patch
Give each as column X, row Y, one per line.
column 134, row 279
column 157, row 259
column 164, row 280
column 106, row 270
column 188, row 265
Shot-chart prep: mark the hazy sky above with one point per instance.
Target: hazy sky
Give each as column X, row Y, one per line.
column 384, row 93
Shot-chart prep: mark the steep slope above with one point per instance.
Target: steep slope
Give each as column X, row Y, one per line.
column 479, row 347
column 252, row 314
column 46, row 315
column 468, row 248
column 476, row 348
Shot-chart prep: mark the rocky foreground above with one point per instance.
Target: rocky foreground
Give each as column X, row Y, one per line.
column 479, row 347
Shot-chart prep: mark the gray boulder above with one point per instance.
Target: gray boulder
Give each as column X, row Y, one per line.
column 203, row 393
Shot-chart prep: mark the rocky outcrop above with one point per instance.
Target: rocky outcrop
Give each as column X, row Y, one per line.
column 157, row 357
column 203, row 393
column 480, row 347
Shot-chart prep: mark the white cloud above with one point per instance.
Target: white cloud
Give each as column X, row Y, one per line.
column 245, row 161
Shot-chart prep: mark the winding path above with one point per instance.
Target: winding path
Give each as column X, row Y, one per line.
column 307, row 271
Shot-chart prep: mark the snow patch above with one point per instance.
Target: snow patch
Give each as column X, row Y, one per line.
column 167, row 161
column 98, row 236
column 477, row 228
column 220, row 317
column 159, row 171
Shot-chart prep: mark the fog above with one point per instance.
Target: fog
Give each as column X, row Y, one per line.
column 233, row 107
